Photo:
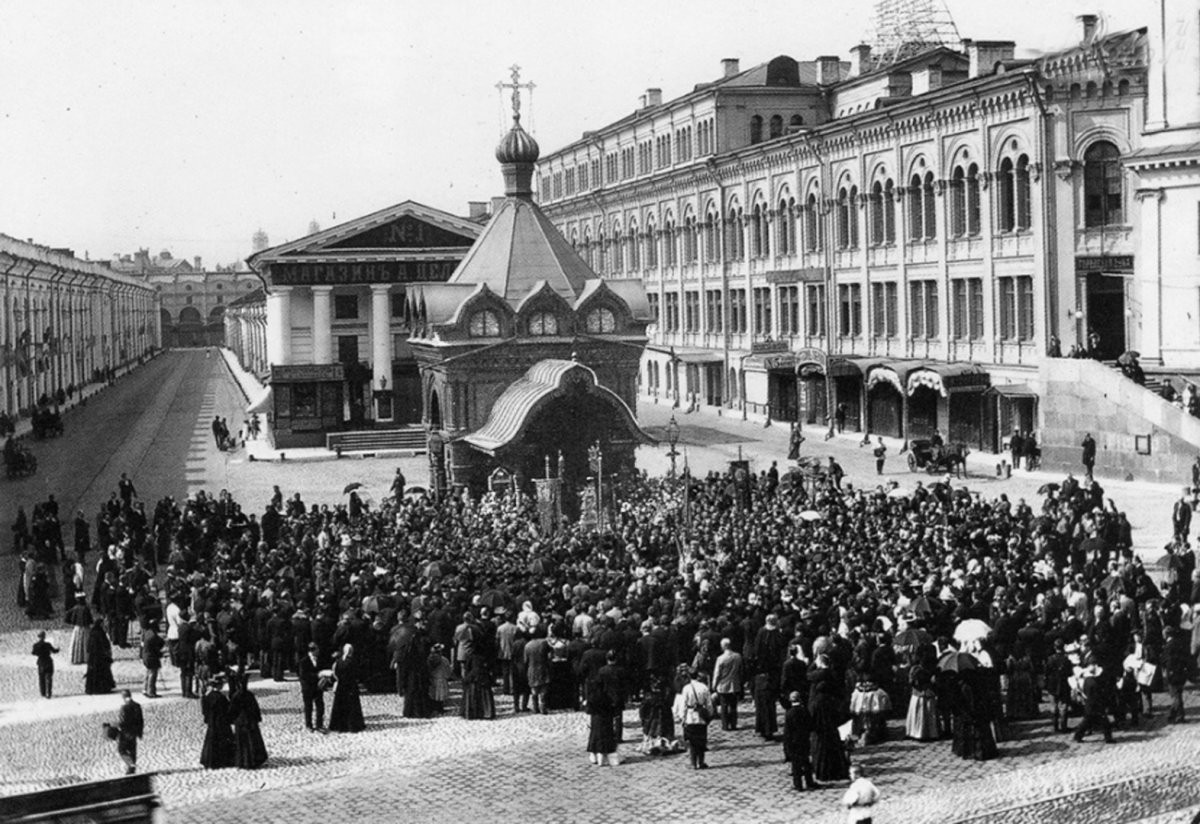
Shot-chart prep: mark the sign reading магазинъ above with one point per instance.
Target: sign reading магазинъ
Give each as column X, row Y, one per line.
column 1103, row 263
column 387, row 271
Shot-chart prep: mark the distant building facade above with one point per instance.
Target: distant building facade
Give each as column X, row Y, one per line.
column 66, row 322
column 901, row 239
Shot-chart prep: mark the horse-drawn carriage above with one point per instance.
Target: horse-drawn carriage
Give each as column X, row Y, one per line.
column 47, row 423
column 18, row 460
column 951, row 457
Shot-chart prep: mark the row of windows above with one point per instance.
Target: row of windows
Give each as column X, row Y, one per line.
column 774, row 126
column 758, row 316
column 632, row 161
column 485, row 323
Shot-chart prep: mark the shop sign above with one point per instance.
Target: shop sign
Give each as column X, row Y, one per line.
column 1103, row 263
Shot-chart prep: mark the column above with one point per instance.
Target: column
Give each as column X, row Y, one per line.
column 322, row 329
column 381, row 350
column 279, row 326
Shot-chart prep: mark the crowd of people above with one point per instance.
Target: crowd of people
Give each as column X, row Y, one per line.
column 947, row 614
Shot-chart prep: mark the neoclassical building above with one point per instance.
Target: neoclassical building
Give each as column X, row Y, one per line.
column 64, row 322
column 902, row 236
column 330, row 337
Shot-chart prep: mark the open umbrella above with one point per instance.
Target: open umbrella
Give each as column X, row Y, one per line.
column 972, row 629
column 414, row 491
column 434, row 569
column 809, row 515
column 351, row 487
column 910, row 639
column 921, row 607
column 541, row 566
column 955, row 661
column 896, row 493
column 493, row 598
column 1046, row 489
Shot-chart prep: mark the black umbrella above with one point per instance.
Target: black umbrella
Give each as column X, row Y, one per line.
column 921, row 607
column 1046, row 489
column 495, row 598
column 351, row 487
column 911, row 638
column 955, row 661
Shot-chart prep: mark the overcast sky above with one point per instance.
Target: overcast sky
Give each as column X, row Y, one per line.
column 188, row 125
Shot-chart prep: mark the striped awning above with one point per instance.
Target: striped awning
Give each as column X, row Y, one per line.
column 944, row 377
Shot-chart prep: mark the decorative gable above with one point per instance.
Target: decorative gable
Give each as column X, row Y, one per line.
column 406, row 232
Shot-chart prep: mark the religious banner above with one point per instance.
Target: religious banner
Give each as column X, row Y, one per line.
column 589, row 508
column 548, row 503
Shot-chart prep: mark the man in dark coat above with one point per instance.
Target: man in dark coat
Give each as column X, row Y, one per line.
column 185, row 654
column 797, row 730
column 1089, row 454
column 1095, row 705
column 130, row 727
column 152, row 653
column 310, row 690
column 1181, row 516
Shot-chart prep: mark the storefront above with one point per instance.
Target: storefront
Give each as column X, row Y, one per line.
column 947, row 398
column 1008, row 407
column 306, row 401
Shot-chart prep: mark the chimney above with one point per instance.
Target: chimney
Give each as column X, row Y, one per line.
column 730, row 67
column 478, row 209
column 860, row 60
column 653, row 97
column 829, row 70
column 983, row 55
column 1088, row 22
column 198, row 263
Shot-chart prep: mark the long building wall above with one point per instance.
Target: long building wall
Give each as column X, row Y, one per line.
column 65, row 322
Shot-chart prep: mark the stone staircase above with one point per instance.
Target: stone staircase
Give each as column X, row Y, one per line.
column 1154, row 383
column 370, row 441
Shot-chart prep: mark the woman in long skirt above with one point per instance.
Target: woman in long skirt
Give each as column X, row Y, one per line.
column 79, row 617
column 99, row 678
column 561, row 692
column 439, row 680
column 346, row 715
column 922, row 721
column 478, row 701
column 828, row 753
column 250, row 751
column 218, row 750
column 1022, row 700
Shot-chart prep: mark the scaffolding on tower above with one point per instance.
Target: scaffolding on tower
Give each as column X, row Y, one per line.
column 907, row 27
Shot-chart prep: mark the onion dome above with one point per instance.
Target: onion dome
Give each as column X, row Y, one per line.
column 517, row 146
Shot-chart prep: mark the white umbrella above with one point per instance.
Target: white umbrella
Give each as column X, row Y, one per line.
column 971, row 629
column 809, row 515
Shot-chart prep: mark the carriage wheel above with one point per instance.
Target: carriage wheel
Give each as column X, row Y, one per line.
column 912, row 462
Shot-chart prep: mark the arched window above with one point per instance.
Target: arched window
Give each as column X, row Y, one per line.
column 875, row 204
column 587, row 247
column 689, row 240
column 853, row 217
column 973, row 200
column 484, row 324
column 618, row 249
column 651, row 247
column 889, row 212
column 600, row 321
column 759, row 244
column 1102, row 185
column 930, row 206
column 797, row 122
column 635, row 250
column 756, row 129
column 812, row 237
column 1023, row 194
column 785, row 222
column 847, row 230
column 712, row 241
column 776, row 126
column 670, row 250
column 1006, row 195
column 916, row 215
column 543, row 324
column 958, row 203
column 735, row 236
column 601, row 252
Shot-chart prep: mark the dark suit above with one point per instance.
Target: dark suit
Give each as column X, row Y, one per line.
column 310, row 691
column 1181, row 519
column 130, row 726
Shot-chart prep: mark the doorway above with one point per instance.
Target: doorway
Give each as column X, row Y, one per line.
column 1106, row 314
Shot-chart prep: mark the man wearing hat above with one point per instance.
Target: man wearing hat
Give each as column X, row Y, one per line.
column 42, row 650
column 129, row 728
column 1181, row 516
column 310, row 689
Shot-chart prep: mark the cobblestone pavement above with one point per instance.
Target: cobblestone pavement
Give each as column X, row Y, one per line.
column 519, row 767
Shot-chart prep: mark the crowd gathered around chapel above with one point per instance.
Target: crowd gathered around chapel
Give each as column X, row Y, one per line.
column 835, row 611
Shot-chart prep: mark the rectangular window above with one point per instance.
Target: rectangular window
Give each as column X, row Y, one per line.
column 398, row 300
column 789, row 310
column 345, row 307
column 1025, row 319
column 815, row 316
column 653, row 299
column 916, row 310
column 762, row 311
column 347, row 348
column 737, row 311
column 304, row 400
column 691, row 316
column 672, row 311
column 713, row 300
column 1008, row 308
column 558, row 185
column 932, row 322
column 975, row 294
column 883, row 310
column 850, row 310
column 958, row 309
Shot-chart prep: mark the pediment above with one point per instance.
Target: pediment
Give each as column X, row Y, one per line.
column 406, row 232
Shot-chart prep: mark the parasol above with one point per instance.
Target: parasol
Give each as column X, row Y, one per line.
column 413, row 491
column 920, row 607
column 541, row 566
column 1129, row 358
column 434, row 569
column 809, row 515
column 1047, row 489
column 493, row 598
column 896, row 493
column 972, row 629
column 955, row 661
column 910, row 639
column 351, row 487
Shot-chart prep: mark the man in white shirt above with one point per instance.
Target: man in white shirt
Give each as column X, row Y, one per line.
column 860, row 797
column 173, row 620
column 727, row 683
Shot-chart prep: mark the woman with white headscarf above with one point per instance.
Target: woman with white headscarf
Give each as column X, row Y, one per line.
column 346, row 715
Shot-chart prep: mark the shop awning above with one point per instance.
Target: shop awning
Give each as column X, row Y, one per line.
column 262, row 404
column 698, row 356
column 891, row 371
column 1013, row 390
column 853, row 366
column 945, row 377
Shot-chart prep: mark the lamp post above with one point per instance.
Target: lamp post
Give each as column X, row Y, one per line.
column 672, row 441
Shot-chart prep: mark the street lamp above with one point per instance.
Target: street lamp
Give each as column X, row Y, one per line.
column 672, row 441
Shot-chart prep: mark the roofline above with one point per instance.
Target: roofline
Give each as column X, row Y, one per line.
column 38, row 254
